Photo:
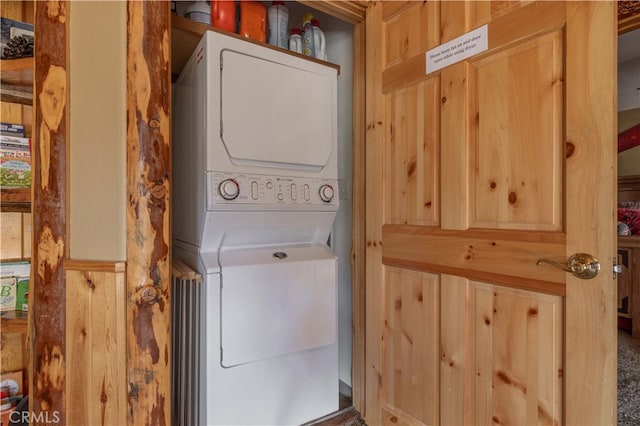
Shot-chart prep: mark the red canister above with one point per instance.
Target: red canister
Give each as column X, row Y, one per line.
column 223, row 14
column 253, row 16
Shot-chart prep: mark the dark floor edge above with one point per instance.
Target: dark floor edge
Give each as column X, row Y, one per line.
column 346, row 417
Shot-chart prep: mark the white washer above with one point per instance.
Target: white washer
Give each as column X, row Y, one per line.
column 255, row 197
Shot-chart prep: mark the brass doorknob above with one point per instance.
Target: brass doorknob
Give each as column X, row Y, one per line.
column 582, row 265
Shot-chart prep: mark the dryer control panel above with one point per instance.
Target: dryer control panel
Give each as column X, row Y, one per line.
column 230, row 189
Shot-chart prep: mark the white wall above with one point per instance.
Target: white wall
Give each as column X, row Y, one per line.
column 340, row 50
column 97, row 142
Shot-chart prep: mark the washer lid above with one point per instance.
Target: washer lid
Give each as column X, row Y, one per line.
column 284, row 117
column 276, row 301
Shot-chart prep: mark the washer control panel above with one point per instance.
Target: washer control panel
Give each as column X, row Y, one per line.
column 245, row 189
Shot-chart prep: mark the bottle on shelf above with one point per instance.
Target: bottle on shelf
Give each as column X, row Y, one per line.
column 252, row 20
column 223, row 15
column 319, row 41
column 295, row 40
column 308, row 47
column 278, row 21
column 199, row 11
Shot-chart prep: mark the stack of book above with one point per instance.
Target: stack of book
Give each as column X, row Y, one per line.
column 15, row 156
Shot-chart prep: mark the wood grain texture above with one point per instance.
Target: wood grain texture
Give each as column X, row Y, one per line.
column 348, row 11
column 455, row 350
column 481, row 12
column 18, row 10
column 401, row 44
column 18, row 72
column 454, row 154
column 15, row 322
column 517, row 357
column 11, row 231
column 16, row 199
column 147, row 210
column 15, row 229
column 411, row 327
column 97, row 375
column 516, row 164
column 413, row 155
column 527, row 80
column 494, row 256
column 47, row 288
column 591, row 317
column 358, row 266
column 628, row 15
column 374, row 219
column 12, row 355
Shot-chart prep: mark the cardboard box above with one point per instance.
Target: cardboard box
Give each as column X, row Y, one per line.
column 15, row 162
column 8, row 289
column 10, row 29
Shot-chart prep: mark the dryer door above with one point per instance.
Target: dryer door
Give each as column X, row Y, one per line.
column 276, row 301
column 277, row 115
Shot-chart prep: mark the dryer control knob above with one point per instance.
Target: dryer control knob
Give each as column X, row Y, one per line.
column 229, row 189
column 326, row 193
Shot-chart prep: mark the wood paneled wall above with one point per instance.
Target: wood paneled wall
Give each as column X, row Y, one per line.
column 96, row 373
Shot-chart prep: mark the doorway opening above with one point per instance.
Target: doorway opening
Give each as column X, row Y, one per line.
column 628, row 244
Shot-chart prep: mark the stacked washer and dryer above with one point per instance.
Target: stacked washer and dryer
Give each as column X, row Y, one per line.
column 254, row 200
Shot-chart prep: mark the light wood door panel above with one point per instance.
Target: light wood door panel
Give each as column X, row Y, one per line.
column 402, row 41
column 411, row 361
column 518, row 356
column 475, row 172
column 516, row 150
column 413, row 155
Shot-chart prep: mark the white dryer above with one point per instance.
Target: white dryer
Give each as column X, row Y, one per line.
column 254, row 200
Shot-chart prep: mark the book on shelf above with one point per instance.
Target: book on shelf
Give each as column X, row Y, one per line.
column 15, row 162
column 12, row 129
column 14, row 288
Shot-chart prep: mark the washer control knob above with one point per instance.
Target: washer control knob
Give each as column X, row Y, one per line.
column 326, row 192
column 229, row 189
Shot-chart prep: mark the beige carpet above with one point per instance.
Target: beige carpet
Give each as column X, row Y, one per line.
column 628, row 380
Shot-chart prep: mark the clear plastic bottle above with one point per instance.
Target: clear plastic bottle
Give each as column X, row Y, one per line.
column 278, row 21
column 307, row 36
column 199, row 11
column 295, row 40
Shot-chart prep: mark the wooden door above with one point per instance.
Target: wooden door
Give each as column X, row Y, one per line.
column 474, row 173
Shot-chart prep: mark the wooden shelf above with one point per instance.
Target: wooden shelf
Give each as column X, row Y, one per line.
column 15, row 200
column 15, row 322
column 629, row 241
column 185, row 35
column 17, row 80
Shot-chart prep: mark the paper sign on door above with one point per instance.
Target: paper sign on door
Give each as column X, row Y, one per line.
column 458, row 49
